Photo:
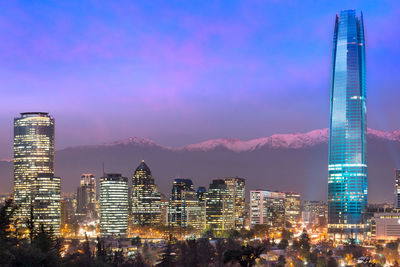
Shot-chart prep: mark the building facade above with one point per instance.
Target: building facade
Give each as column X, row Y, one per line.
column 397, row 188
column 46, row 202
column 86, row 198
column 185, row 208
column 219, row 208
column 347, row 170
column 114, row 206
column 315, row 212
column 33, row 157
column 268, row 208
column 292, row 207
column 236, row 187
column 145, row 198
column 385, row 226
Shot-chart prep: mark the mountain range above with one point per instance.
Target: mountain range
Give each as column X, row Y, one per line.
column 288, row 162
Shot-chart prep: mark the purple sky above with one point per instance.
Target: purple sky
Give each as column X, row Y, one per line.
column 180, row 72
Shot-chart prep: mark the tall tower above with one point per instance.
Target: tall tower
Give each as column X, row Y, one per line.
column 146, row 200
column 219, row 208
column 347, row 170
column 114, row 205
column 397, row 189
column 236, row 187
column 33, row 159
column 86, row 198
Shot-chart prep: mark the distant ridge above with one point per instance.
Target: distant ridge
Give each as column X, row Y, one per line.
column 289, row 162
column 276, row 141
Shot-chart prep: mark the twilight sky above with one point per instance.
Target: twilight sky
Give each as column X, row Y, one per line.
column 180, row 72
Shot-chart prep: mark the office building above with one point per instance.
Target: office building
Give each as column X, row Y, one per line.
column 33, row 159
column 46, row 202
column 145, row 198
column 86, row 198
column 292, row 207
column 236, row 187
column 385, row 226
column 185, row 208
column 219, row 208
column 347, row 170
column 268, row 208
column 114, row 206
column 397, row 188
column 315, row 212
column 67, row 210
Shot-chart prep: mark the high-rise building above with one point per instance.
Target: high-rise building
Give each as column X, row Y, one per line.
column 86, row 198
column 46, row 202
column 67, row 210
column 146, row 200
column 219, row 208
column 267, row 207
column 292, row 207
column 185, row 208
column 177, row 210
column 347, row 170
column 236, row 187
column 397, row 188
column 315, row 212
column 114, row 205
column 33, row 158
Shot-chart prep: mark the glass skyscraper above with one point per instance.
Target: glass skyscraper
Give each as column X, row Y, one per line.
column 114, row 206
column 145, row 198
column 33, row 158
column 347, row 170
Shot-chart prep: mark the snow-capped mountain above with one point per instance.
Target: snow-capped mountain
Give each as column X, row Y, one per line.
column 292, row 162
column 276, row 141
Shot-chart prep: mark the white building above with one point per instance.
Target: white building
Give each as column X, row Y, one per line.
column 385, row 226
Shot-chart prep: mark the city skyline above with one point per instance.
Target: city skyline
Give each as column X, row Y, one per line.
column 172, row 107
column 265, row 185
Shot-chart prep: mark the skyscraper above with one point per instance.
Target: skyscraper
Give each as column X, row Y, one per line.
column 86, row 198
column 46, row 202
column 185, row 207
column 146, row 200
column 236, row 187
column 268, row 208
column 114, row 205
column 33, row 158
column 219, row 208
column 397, row 188
column 292, row 207
column 177, row 210
column 347, row 170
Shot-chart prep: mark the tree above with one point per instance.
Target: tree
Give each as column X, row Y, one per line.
column 6, row 214
column 283, row 244
column 261, row 230
column 30, row 223
column 304, row 241
column 101, row 252
column 168, row 256
column 281, row 261
column 246, row 256
column 205, row 252
column 286, row 234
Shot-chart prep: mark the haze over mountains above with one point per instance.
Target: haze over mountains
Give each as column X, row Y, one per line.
column 289, row 162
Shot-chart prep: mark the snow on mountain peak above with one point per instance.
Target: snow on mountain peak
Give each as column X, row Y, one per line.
column 276, row 141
